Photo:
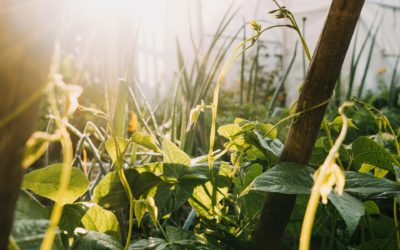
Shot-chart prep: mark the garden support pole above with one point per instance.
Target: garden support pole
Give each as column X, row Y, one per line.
column 27, row 33
column 318, row 87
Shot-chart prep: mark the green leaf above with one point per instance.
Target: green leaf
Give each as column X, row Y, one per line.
column 367, row 185
column 365, row 150
column 251, row 203
column 173, row 154
column 179, row 186
column 230, row 130
column 45, row 182
column 71, row 217
column 102, row 221
column 350, row 208
column 287, row 178
column 337, row 123
column 291, row 178
column 267, row 130
column 110, row 193
column 86, row 239
column 145, row 140
column 272, row 149
column 156, row 168
column 378, row 244
column 178, row 234
column 29, row 208
column 201, row 199
column 143, row 206
column 29, row 234
column 139, row 208
column 148, row 244
column 112, row 148
column 371, row 207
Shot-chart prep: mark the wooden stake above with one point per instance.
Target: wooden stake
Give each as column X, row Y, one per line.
column 318, row 88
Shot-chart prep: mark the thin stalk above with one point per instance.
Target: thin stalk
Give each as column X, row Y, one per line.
column 392, row 89
column 371, row 49
column 65, row 176
column 242, row 68
column 256, row 73
column 282, row 82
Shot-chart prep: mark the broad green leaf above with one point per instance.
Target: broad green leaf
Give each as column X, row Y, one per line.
column 178, row 234
column 102, row 221
column 201, row 199
column 229, row 130
column 29, row 208
column 145, row 140
column 156, row 168
column 86, row 239
column 112, row 148
column 267, row 130
column 367, row 185
column 110, row 194
column 139, row 209
column 380, row 173
column 149, row 244
column 173, row 154
column 29, row 234
column 350, row 208
column 365, row 168
column 337, row 123
column 180, row 183
column 272, row 149
column 291, row 178
column 143, row 206
column 239, row 120
column 251, row 203
column 287, row 178
column 378, row 243
column 71, row 217
column 365, row 150
column 45, row 182
column 371, row 207
column 181, row 238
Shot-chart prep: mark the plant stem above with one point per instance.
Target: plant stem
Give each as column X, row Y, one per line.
column 313, row 202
